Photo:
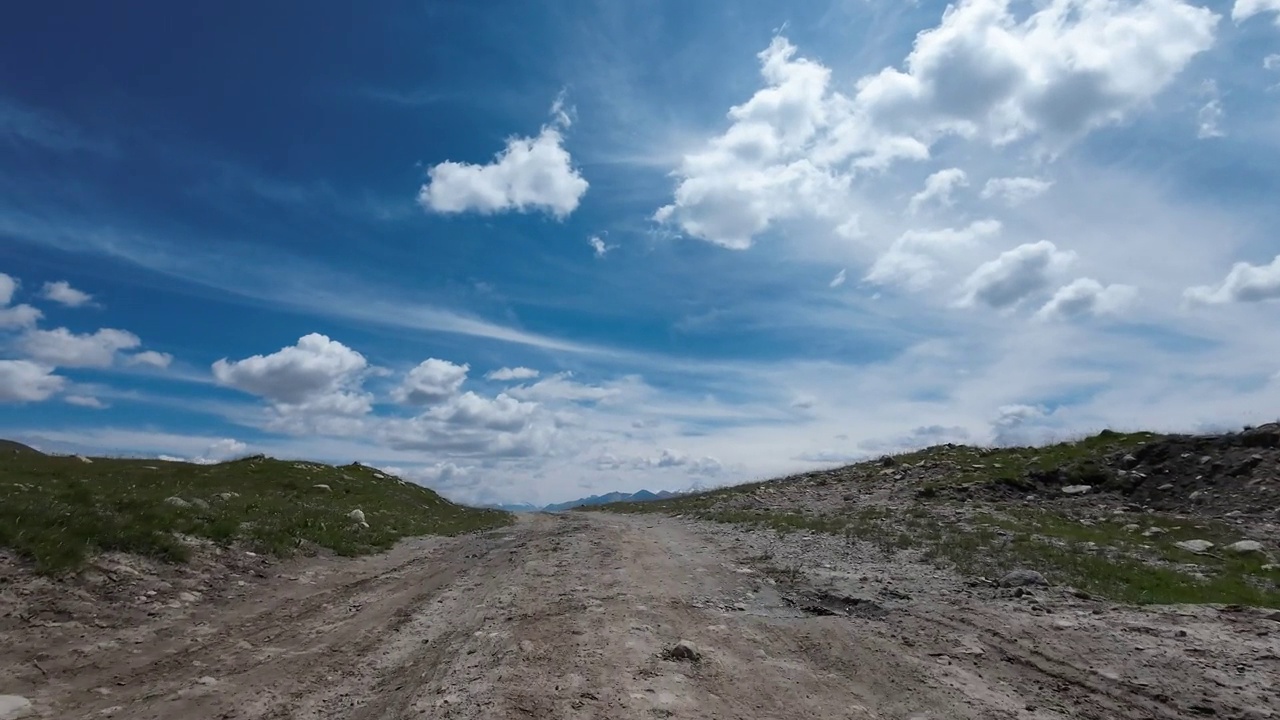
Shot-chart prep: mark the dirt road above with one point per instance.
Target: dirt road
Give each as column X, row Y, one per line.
column 568, row 616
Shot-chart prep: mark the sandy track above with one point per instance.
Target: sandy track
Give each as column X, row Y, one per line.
column 568, row 617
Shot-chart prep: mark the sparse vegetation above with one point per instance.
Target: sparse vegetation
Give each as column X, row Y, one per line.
column 57, row 511
column 1108, row 556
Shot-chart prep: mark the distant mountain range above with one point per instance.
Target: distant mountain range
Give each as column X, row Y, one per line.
column 612, row 497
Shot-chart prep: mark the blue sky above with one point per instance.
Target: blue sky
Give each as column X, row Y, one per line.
column 528, row 251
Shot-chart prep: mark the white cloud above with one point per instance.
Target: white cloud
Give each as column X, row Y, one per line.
column 471, row 425
column 1015, row 190
column 223, row 450
column 1066, row 68
column 85, row 401
column 24, row 381
column 152, row 358
column 1245, row 9
column 432, row 381
column 599, row 247
column 530, row 174
column 1017, row 424
column 1209, row 118
column 8, row 286
column 698, row 465
column 63, row 348
column 561, row 387
column 912, row 261
column 316, row 367
column 1015, row 275
column 18, row 316
column 516, row 373
column 1086, row 296
column 760, row 170
column 1271, row 62
column 938, row 188
column 1245, row 283
column 62, row 293
column 794, row 148
column 839, row 279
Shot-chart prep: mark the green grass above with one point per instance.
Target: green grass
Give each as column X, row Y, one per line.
column 1099, row 557
column 1121, row 566
column 965, row 465
column 59, row 511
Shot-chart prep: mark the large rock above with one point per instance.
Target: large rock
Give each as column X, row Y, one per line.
column 1077, row 489
column 1245, row 547
column 357, row 516
column 14, row 706
column 685, row 650
column 1022, row 578
column 1195, row 546
column 177, row 502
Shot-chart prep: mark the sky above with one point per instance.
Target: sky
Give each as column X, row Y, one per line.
column 527, row 251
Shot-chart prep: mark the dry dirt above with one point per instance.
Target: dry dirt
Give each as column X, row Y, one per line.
column 571, row 616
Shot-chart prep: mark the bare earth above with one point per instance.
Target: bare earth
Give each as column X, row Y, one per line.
column 569, row 616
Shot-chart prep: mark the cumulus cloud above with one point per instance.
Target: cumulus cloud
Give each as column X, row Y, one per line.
column 912, row 261
column 530, row 174
column 1245, row 283
column 1015, row 275
column 432, row 381
column 471, row 425
column 152, row 358
column 1019, row 424
column 760, row 170
column 982, row 74
column 698, row 465
column 63, row 348
column 938, row 188
column 598, row 246
column 62, row 293
column 516, row 373
column 839, row 279
column 18, row 316
column 316, row 367
column 8, row 286
column 1086, row 296
column 1245, row 9
column 223, row 450
column 23, row 381
column 1015, row 190
column 1066, row 68
column 1271, row 62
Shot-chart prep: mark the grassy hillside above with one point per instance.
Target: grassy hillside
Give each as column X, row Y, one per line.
column 57, row 511
column 1107, row 514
